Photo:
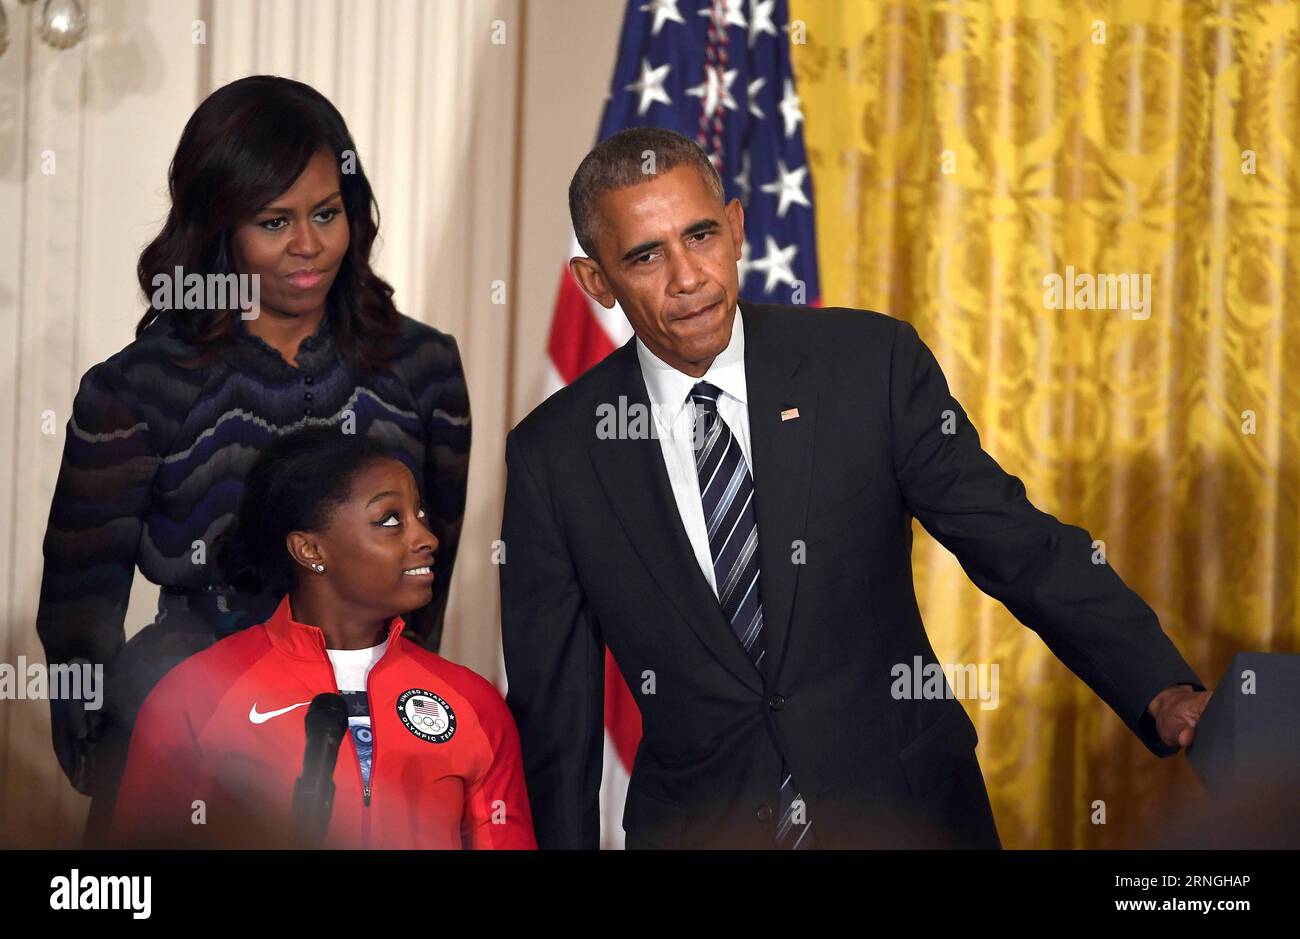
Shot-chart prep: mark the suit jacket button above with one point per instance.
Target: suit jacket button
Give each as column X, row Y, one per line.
column 764, row 812
column 776, row 702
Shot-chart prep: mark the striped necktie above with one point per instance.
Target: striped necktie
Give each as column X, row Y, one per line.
column 727, row 491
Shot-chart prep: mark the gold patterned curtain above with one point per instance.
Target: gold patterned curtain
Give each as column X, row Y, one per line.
column 962, row 153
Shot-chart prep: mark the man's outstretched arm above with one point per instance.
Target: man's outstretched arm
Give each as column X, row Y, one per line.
column 1041, row 569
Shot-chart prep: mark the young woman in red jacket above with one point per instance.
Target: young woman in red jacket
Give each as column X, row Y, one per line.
column 433, row 756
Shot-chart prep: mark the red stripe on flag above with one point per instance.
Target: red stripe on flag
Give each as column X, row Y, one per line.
column 577, row 340
column 622, row 719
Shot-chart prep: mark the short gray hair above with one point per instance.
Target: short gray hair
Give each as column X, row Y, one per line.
column 617, row 162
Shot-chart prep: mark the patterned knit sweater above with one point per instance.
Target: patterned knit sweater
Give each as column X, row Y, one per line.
column 155, row 457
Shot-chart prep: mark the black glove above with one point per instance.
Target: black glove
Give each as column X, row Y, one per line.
column 75, row 730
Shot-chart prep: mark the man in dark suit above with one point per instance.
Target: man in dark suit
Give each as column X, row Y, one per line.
column 725, row 502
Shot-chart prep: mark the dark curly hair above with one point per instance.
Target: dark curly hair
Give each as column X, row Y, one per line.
column 295, row 484
column 243, row 146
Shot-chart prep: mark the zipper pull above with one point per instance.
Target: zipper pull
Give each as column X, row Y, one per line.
column 367, row 794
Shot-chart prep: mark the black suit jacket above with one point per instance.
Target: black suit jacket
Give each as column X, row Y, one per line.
column 596, row 555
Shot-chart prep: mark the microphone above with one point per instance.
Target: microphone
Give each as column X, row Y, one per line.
column 313, row 793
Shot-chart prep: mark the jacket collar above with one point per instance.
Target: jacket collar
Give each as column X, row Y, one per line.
column 308, row 642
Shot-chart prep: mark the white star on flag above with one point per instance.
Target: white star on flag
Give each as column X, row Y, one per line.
column 760, row 18
column 731, row 16
column 790, row 108
column 650, row 86
column 742, row 180
column 663, row 10
column 776, row 264
column 716, row 86
column 788, row 188
column 744, row 264
column 754, row 88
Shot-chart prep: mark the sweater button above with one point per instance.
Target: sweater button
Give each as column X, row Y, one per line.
column 309, row 379
column 308, row 412
column 307, row 396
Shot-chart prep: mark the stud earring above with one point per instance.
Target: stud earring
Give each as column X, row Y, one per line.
column 318, row 568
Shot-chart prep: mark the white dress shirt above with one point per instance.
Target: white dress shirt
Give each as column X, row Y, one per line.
column 674, row 416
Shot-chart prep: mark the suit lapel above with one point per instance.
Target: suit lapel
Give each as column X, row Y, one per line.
column 635, row 480
column 783, row 458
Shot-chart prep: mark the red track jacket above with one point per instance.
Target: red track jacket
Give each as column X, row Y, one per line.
column 219, row 742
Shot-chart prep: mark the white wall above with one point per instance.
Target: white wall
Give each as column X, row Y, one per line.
column 569, row 59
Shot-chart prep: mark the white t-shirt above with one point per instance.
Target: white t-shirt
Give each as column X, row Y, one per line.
column 351, row 666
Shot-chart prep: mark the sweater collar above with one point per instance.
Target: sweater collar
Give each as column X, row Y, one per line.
column 314, row 353
column 303, row 641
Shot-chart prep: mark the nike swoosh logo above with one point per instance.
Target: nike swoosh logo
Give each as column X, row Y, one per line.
column 262, row 717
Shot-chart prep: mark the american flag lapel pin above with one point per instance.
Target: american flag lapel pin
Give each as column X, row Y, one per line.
column 789, row 414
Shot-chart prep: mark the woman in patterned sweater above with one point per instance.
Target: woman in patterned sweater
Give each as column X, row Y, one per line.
column 265, row 186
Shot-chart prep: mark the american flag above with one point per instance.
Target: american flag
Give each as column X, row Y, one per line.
column 717, row 71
